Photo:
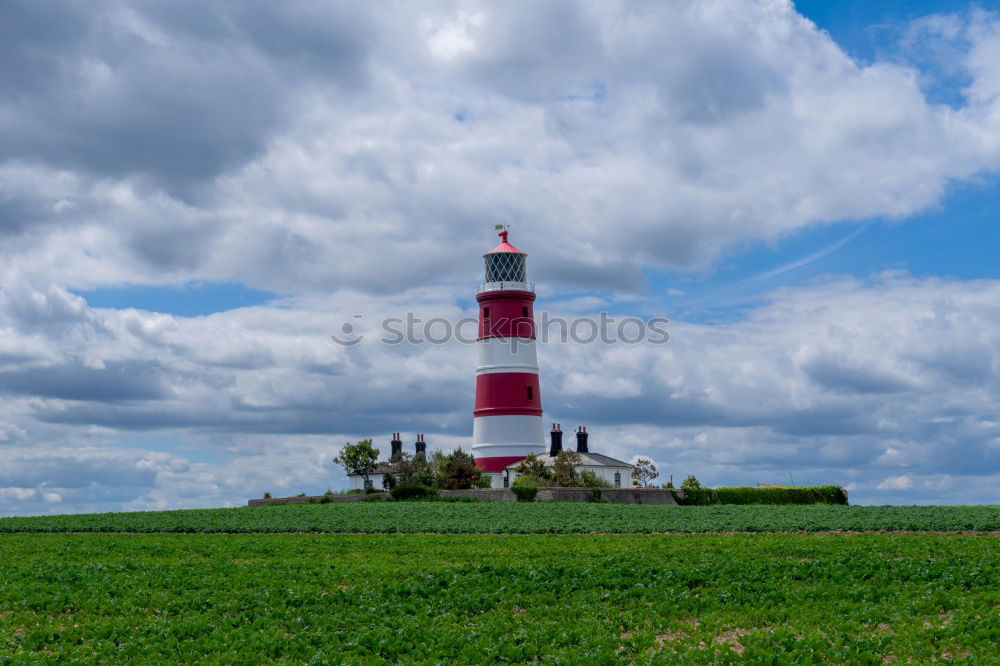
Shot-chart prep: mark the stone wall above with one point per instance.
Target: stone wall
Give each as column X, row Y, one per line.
column 639, row 495
column 564, row 495
column 315, row 499
column 615, row 495
column 486, row 494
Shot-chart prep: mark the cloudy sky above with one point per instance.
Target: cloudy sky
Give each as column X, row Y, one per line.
column 195, row 195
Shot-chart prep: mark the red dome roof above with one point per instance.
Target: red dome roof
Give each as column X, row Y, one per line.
column 504, row 246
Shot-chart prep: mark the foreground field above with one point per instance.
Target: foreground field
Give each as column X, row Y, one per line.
column 523, row 518
column 772, row 598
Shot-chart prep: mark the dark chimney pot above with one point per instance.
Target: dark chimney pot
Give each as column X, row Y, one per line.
column 581, row 440
column 421, row 444
column 556, row 436
column 397, row 447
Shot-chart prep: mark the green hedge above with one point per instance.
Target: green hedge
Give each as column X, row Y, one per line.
column 411, row 492
column 766, row 495
column 525, row 493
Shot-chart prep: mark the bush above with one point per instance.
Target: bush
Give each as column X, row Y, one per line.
column 525, row 493
column 267, row 495
column 355, row 491
column 533, row 466
column 694, row 496
column 413, row 492
column 485, row 481
column 690, row 483
column 591, row 480
column 525, row 487
column 766, row 495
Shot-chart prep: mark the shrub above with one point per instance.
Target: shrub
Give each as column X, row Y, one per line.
column 413, row 492
column 525, row 493
column 267, row 495
column 690, row 483
column 485, row 481
column 533, row 466
column 355, row 491
column 591, row 480
column 694, row 496
column 525, row 487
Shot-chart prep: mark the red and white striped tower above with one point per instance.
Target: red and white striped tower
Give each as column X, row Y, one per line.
column 507, row 423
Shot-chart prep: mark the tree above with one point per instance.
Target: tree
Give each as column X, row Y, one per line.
column 690, row 483
column 457, row 470
column 532, row 466
column 644, row 472
column 564, row 468
column 360, row 459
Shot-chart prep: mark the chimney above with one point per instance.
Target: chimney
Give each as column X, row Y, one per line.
column 397, row 447
column 421, row 444
column 556, row 436
column 581, row 440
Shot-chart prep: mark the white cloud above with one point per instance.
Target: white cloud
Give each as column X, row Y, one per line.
column 910, row 379
column 895, row 483
column 617, row 136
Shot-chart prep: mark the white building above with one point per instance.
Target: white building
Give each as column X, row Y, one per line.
column 617, row 473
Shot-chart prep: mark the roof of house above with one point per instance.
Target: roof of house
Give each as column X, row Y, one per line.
column 586, row 460
column 380, row 468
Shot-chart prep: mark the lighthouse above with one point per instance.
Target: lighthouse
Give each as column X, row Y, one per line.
column 507, row 420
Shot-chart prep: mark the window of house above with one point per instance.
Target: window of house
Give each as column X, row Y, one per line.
column 618, row 479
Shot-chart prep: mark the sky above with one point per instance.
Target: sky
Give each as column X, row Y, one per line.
column 194, row 196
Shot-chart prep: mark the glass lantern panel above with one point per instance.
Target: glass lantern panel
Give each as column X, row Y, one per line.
column 505, row 267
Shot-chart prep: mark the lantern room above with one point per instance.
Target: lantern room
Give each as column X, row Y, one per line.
column 506, row 268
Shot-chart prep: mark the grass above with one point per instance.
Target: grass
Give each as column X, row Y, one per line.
column 511, row 517
column 764, row 598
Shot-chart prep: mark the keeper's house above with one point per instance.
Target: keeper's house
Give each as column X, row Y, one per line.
column 616, row 472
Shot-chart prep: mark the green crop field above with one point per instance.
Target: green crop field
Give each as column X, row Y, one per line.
column 577, row 598
column 512, row 517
